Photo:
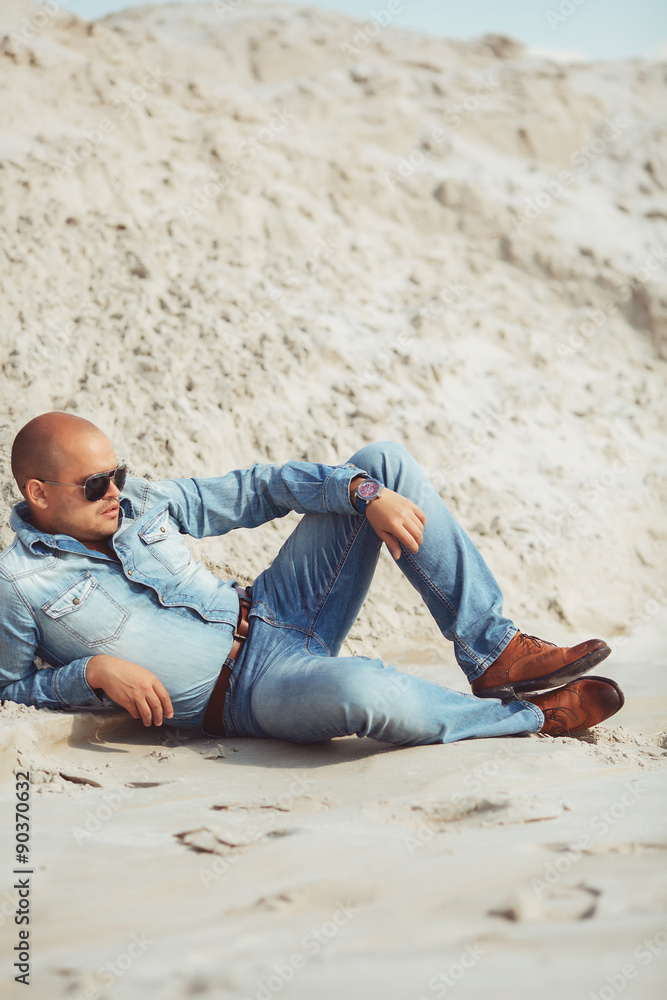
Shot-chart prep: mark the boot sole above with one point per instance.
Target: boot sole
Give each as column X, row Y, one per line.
column 558, row 678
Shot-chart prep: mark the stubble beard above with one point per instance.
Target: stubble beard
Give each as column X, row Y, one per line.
column 95, row 532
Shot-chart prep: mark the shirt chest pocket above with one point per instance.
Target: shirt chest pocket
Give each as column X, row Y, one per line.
column 164, row 543
column 87, row 611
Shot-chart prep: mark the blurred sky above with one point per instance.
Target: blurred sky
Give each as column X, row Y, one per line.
column 598, row 29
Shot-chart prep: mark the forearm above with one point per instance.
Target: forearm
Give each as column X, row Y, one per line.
column 249, row 497
column 53, row 687
column 265, row 492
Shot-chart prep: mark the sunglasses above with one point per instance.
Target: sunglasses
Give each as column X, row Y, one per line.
column 96, row 486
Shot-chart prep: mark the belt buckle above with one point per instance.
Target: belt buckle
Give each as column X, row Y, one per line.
column 244, row 594
column 245, row 601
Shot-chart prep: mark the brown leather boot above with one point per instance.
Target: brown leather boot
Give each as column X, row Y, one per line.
column 531, row 664
column 578, row 706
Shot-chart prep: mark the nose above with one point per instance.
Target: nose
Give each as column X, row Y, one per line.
column 113, row 492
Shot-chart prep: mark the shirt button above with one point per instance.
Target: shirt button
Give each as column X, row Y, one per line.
column 129, row 572
column 163, row 530
column 76, row 601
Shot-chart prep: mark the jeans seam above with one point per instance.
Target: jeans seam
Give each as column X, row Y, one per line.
column 313, row 635
column 235, row 673
column 309, row 633
column 504, row 642
column 536, row 710
column 332, row 579
column 456, row 637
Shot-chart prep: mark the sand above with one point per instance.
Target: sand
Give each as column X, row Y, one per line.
column 241, row 231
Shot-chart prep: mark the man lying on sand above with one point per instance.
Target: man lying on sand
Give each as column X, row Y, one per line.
column 99, row 583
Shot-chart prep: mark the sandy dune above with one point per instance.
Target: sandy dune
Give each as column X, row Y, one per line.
column 242, row 231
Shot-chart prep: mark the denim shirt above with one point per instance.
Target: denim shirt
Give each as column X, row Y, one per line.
column 156, row 605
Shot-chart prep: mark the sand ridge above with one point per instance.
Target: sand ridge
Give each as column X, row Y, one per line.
column 266, row 250
column 239, row 231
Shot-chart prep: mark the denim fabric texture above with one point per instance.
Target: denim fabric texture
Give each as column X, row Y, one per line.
column 160, row 607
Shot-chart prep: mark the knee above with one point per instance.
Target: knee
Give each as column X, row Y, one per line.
column 372, row 687
column 357, row 681
column 384, row 460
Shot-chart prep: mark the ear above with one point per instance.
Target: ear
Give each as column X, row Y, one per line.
column 35, row 494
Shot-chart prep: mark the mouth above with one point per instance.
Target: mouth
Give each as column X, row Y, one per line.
column 111, row 512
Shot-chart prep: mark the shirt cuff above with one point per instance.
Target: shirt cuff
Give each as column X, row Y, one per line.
column 337, row 488
column 72, row 688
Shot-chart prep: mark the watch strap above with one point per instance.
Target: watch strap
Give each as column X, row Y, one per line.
column 359, row 502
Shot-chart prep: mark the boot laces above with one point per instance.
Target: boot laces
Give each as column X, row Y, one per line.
column 527, row 640
column 557, row 718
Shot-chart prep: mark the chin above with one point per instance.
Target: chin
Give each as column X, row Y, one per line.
column 105, row 530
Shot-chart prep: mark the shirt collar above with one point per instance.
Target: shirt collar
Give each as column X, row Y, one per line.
column 40, row 541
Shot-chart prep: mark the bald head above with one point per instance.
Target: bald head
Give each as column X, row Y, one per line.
column 44, row 444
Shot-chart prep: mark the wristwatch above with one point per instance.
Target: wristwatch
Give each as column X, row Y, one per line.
column 367, row 490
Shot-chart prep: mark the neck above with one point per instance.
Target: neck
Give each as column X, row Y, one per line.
column 103, row 546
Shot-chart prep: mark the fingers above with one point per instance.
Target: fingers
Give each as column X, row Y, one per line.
column 394, row 540
column 165, row 707
column 411, row 533
column 398, row 521
column 391, row 543
column 153, row 705
column 419, row 513
column 155, row 713
column 416, row 524
column 416, row 529
column 139, row 709
column 157, row 705
column 145, row 709
column 133, row 687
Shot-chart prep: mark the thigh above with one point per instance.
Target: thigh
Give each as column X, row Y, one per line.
column 319, row 579
column 306, row 698
column 302, row 698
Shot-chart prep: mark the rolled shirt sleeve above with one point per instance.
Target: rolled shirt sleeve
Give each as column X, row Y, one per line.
column 246, row 498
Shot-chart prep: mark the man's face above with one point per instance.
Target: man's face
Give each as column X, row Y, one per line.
column 64, row 509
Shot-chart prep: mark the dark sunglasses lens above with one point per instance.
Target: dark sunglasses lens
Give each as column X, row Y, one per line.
column 97, row 486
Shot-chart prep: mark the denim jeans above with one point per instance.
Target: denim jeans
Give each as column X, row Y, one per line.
column 289, row 682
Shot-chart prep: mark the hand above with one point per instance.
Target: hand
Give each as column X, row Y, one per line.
column 395, row 519
column 131, row 686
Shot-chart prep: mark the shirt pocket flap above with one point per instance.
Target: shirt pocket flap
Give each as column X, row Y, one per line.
column 72, row 598
column 86, row 611
column 157, row 528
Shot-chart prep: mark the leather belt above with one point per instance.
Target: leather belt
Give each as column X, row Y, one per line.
column 212, row 722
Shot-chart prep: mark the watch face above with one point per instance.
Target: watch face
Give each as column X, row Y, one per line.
column 367, row 490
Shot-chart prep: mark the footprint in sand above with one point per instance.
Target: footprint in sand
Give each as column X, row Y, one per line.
column 562, row 903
